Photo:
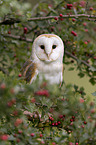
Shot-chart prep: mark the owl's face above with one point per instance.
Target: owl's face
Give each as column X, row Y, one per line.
column 48, row 47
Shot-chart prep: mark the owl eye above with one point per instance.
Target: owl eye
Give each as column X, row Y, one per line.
column 54, row 46
column 42, row 46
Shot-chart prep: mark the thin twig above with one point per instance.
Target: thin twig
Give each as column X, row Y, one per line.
column 74, row 57
column 64, row 16
column 17, row 37
column 12, row 21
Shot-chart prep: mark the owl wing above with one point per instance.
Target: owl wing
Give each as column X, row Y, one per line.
column 62, row 76
column 29, row 71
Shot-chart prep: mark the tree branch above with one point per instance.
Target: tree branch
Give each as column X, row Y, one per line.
column 12, row 20
column 18, row 37
column 9, row 21
column 74, row 57
column 64, row 16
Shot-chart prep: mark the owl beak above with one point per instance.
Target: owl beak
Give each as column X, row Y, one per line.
column 48, row 54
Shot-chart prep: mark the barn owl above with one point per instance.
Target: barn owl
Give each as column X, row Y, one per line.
column 46, row 60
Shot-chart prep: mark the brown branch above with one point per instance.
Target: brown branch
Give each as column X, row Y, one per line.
column 64, row 16
column 74, row 57
column 12, row 21
column 17, row 37
column 9, row 21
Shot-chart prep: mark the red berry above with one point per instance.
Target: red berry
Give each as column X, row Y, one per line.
column 42, row 93
column 3, row 86
column 15, row 135
column 93, row 111
column 74, row 33
column 15, row 113
column 82, row 3
column 56, row 18
column 60, row 116
column 42, row 142
column 20, row 75
column 41, row 135
column 73, row 117
column 81, row 100
column 18, row 122
column 71, row 123
column 20, row 131
column 4, row 137
column 64, row 115
column 50, row 118
column 9, row 104
column 52, row 29
column 61, row 19
column 85, row 122
column 17, row 59
column 70, row 143
column 25, row 30
column 71, row 120
column 69, row 6
column 76, row 143
column 86, row 42
column 73, row 20
column 84, row 24
column 53, row 124
column 91, row 9
column 9, row 32
column 56, row 124
column 14, row 55
column 73, row 52
column 32, row 134
column 33, row 100
column 12, row 91
column 13, row 101
column 86, row 30
column 61, row 15
column 53, row 143
column 82, row 126
column 92, row 104
column 94, row 57
column 18, row 140
column 59, row 122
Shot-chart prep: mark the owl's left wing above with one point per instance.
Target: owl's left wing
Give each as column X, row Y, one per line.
column 29, row 71
column 62, row 76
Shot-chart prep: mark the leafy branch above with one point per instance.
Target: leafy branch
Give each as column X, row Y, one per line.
column 11, row 21
column 63, row 16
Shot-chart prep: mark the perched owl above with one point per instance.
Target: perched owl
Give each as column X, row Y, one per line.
column 46, row 60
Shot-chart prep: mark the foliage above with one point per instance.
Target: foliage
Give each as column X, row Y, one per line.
column 40, row 113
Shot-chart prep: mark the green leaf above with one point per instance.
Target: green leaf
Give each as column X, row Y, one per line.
column 81, row 75
column 71, row 68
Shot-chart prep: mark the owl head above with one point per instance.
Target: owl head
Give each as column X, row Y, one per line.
column 48, row 48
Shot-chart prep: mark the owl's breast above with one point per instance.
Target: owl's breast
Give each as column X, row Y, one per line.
column 51, row 72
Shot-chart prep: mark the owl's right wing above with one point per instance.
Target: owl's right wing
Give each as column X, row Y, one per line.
column 29, row 71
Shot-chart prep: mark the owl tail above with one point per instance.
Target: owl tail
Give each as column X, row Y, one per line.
column 28, row 70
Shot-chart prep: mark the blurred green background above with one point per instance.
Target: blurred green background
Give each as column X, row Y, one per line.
column 72, row 76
